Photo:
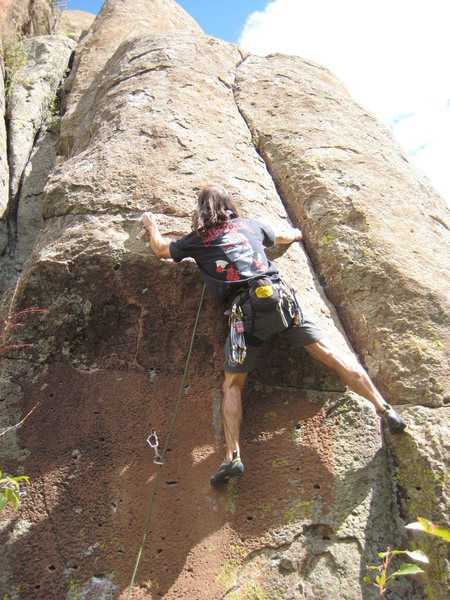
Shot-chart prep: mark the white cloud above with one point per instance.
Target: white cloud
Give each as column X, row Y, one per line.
column 392, row 55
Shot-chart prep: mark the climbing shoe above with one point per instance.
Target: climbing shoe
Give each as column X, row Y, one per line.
column 227, row 470
column 392, row 419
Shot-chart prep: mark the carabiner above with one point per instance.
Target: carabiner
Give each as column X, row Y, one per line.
column 152, row 441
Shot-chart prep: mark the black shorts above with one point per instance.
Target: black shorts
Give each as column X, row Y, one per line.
column 267, row 324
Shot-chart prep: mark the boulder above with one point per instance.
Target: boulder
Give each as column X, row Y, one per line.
column 377, row 234
column 31, row 96
column 75, row 23
column 116, row 316
column 36, row 67
column 31, row 100
column 29, row 17
column 374, row 228
column 117, row 20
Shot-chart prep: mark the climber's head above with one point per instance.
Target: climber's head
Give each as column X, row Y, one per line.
column 214, row 206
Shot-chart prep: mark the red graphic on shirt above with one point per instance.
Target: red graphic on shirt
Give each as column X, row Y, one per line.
column 258, row 262
column 221, row 265
column 241, row 261
column 210, row 235
column 232, row 274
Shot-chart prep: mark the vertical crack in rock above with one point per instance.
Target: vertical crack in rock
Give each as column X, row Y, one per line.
column 32, row 107
column 14, row 196
column 4, row 187
column 139, row 333
column 348, row 184
column 257, row 145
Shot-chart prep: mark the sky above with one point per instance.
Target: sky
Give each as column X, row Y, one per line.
column 393, row 56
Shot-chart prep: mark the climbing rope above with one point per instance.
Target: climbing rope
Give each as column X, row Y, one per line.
column 169, row 435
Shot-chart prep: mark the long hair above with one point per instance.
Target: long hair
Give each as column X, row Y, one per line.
column 214, row 206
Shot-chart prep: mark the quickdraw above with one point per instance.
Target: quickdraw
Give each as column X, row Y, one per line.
column 287, row 296
column 238, row 349
column 153, row 442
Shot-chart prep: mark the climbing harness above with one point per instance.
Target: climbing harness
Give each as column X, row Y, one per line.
column 153, row 439
column 280, row 295
column 238, row 349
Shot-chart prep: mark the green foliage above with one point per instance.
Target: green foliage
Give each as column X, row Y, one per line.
column 51, row 114
column 13, row 56
column 383, row 580
column 10, row 490
column 14, row 59
column 431, row 528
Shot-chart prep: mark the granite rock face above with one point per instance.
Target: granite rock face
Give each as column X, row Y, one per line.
column 375, row 229
column 19, row 20
column 152, row 115
column 4, row 168
column 117, row 20
column 31, row 96
column 32, row 118
column 30, row 17
column 75, row 23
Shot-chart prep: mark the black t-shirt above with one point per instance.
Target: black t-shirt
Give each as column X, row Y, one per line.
column 228, row 254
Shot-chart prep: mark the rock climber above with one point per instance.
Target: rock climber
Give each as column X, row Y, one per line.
column 229, row 251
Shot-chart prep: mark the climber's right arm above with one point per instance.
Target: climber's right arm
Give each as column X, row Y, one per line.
column 159, row 245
